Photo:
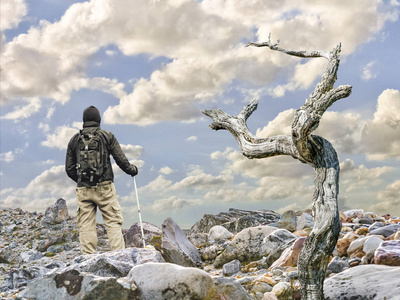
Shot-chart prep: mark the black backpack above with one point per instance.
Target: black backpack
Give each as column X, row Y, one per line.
column 91, row 157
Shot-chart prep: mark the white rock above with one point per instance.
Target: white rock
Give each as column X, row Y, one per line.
column 372, row 243
column 362, row 282
column 218, row 233
column 156, row 281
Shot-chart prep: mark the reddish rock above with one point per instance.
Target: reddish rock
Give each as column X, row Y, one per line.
column 388, row 253
column 342, row 246
column 289, row 256
column 359, row 253
column 362, row 231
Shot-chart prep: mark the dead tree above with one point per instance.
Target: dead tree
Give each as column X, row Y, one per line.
column 311, row 149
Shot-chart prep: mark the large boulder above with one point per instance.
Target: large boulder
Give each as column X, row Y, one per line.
column 246, row 246
column 115, row 263
column 19, row 278
column 158, row 281
column 133, row 236
column 72, row 284
column 56, row 214
column 218, row 233
column 364, row 282
column 235, row 220
column 176, row 246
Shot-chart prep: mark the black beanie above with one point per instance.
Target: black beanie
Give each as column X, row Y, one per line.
column 91, row 114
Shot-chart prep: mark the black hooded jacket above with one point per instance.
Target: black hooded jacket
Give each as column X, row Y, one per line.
column 112, row 147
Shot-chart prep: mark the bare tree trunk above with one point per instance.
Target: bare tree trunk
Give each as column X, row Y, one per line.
column 313, row 150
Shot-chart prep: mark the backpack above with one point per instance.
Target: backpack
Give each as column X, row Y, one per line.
column 91, row 158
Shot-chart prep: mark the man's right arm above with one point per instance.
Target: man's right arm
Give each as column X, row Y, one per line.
column 70, row 161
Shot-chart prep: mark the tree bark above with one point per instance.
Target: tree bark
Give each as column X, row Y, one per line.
column 311, row 149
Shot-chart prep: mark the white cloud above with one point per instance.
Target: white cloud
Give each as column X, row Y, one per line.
column 132, row 151
column 174, row 203
column 166, row 170
column 42, row 191
column 389, row 199
column 203, row 41
column 7, row 156
column 381, row 136
column 60, row 138
column 23, row 112
column 11, row 13
column 192, row 138
column 368, row 71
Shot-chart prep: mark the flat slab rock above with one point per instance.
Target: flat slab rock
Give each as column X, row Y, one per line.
column 364, row 282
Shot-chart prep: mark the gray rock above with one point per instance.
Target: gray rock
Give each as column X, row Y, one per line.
column 275, row 243
column 246, row 246
column 386, row 231
column 209, row 253
column 231, row 268
column 198, row 239
column 116, row 263
column 305, row 221
column 227, row 288
column 375, row 225
column 235, row 220
column 372, row 243
column 157, row 281
column 218, row 233
column 10, row 228
column 176, row 246
column 19, row 278
column 364, row 282
column 133, row 236
column 10, row 255
column 337, row 265
column 288, row 221
column 72, row 284
column 56, row 214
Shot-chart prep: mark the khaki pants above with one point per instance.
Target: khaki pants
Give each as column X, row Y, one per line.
column 104, row 197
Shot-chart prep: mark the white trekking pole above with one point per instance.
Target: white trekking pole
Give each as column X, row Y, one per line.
column 140, row 216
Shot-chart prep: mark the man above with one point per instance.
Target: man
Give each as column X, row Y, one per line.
column 88, row 164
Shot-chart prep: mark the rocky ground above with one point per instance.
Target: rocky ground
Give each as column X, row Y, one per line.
column 233, row 255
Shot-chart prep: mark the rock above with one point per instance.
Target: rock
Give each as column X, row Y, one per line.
column 290, row 255
column 386, row 231
column 362, row 231
column 364, row 282
column 199, row 239
column 56, row 214
column 342, row 216
column 169, row 281
column 354, row 213
column 305, row 221
column 19, row 278
column 366, row 220
column 342, row 246
column 209, row 253
column 282, row 289
column 176, row 246
column 375, row 225
column 218, row 233
column 246, row 246
column 10, row 228
column 133, row 236
column 231, row 268
column 338, row 265
column 288, row 221
column 231, row 220
column 227, row 288
column 261, row 287
column 75, row 285
column 10, row 255
column 372, row 243
column 116, row 263
column 275, row 243
column 356, row 245
column 269, row 296
column 388, row 253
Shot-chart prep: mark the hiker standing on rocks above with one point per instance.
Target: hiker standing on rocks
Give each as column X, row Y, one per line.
column 88, row 164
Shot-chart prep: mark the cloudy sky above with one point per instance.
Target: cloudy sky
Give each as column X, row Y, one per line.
column 151, row 66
